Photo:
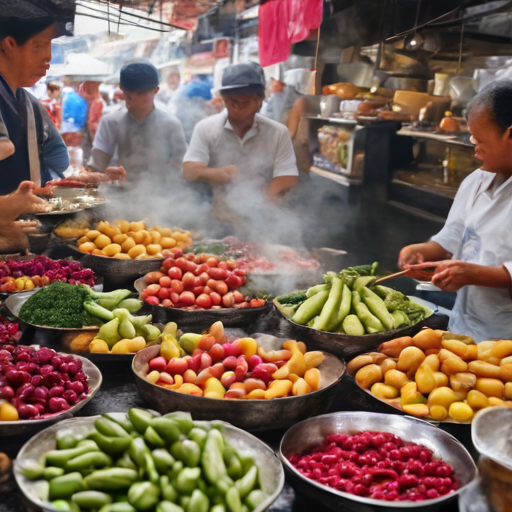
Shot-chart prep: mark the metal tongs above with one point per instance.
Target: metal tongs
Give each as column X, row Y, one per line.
column 418, row 274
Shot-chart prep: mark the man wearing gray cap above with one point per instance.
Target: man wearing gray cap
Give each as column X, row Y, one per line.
column 150, row 142
column 239, row 145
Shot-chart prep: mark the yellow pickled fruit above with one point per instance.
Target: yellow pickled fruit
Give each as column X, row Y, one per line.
column 123, row 225
column 386, row 365
column 438, row 412
column 498, row 402
column 153, row 377
column 396, row 379
column 136, row 251
column 454, row 365
column 410, row 358
column 101, row 226
column 102, row 241
column 88, row 247
column 98, row 346
column 83, row 240
column 300, row 387
column 135, row 344
column 167, row 242
column 128, row 244
column 119, row 239
column 93, row 234
column 153, row 249
column 111, row 231
column 508, row 390
column 367, row 376
column 314, row 358
column 383, row 391
column 506, row 360
column 137, row 226
column 278, row 389
column 441, row 379
column 427, row 339
column 483, row 369
column 169, row 349
column 503, row 348
column 29, row 285
column 155, row 236
column 148, row 240
column 460, row 411
column 312, row 377
column 445, row 354
column 418, row 410
column 8, row 412
column 121, row 347
column 112, row 249
column 472, row 353
column 506, row 373
column 425, row 379
column 359, row 362
column 490, row 387
column 98, row 252
column 122, row 256
column 302, row 346
column 409, row 394
column 179, row 236
column 477, row 400
column 457, row 347
column 485, row 352
column 165, row 232
column 462, row 382
column 433, row 361
column 139, row 236
column 443, row 396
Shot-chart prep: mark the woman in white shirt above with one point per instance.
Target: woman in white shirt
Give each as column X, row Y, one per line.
column 472, row 254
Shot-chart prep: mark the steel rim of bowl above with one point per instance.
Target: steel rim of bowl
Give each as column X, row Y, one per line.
column 41, row 504
column 370, row 501
column 250, row 400
column 72, row 410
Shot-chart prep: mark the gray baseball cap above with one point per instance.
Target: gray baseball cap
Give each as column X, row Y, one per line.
column 246, row 77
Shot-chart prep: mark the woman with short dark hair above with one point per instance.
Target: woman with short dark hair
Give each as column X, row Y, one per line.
column 472, row 254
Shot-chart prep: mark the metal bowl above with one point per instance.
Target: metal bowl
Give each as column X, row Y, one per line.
column 252, row 415
column 202, row 318
column 271, row 472
column 11, row 428
column 343, row 345
column 310, row 433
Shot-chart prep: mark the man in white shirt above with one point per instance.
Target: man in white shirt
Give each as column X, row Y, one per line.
column 238, row 146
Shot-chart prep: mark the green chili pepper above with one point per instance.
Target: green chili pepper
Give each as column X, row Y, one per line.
column 329, row 313
column 371, row 323
column 153, row 438
column 66, row 505
column 151, row 471
column 201, row 485
column 66, row 441
column 144, row 495
column 177, row 467
column 187, row 480
column 117, row 507
column 114, row 446
column 177, row 450
column 183, row 419
column 169, row 430
column 132, row 305
column 126, row 462
column 137, row 450
column 98, row 311
column 60, row 458
column 228, row 453
column 246, row 484
column 189, row 342
column 168, row 491
column 32, row 469
column 222, row 486
column 361, row 282
column 199, row 502
column 168, row 506
column 245, row 508
column 400, row 318
column 66, row 485
column 218, row 508
column 378, row 308
column 255, row 499
column 95, row 460
column 233, row 502
column 110, row 428
column 353, row 326
column 91, row 499
column 344, row 309
column 112, row 479
column 52, row 472
column 191, row 453
column 121, row 418
column 184, row 501
column 199, row 436
column 140, row 419
column 313, row 290
column 247, row 459
column 235, row 470
column 163, row 460
column 310, row 308
column 212, row 459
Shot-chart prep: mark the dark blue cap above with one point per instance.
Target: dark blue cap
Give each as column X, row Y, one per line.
column 247, row 77
column 139, row 76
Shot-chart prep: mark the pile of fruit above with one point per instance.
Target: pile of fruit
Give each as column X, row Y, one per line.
column 377, row 465
column 139, row 462
column 9, row 332
column 346, row 304
column 38, row 384
column 132, row 240
column 200, row 281
column 216, row 368
column 436, row 376
column 17, row 276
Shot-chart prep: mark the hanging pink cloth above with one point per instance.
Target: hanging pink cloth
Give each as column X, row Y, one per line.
column 284, row 22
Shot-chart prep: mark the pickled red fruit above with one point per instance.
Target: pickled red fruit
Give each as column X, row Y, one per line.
column 432, row 361
column 418, row 410
column 396, row 379
column 386, row 365
column 384, row 391
column 508, row 390
column 410, row 359
column 441, row 379
column 425, row 379
column 454, row 365
column 506, row 373
column 461, row 382
column 490, row 387
column 443, row 396
column 366, row 377
column 438, row 412
column 393, row 348
column 483, row 369
column 477, row 400
column 427, row 339
column 460, row 411
column 409, row 394
column 503, row 348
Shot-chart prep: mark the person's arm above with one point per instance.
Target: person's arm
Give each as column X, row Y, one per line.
column 281, row 184
column 6, row 148
column 285, row 174
column 21, row 201
column 419, row 253
column 295, row 116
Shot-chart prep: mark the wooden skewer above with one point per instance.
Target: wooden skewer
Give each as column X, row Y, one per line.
column 388, row 278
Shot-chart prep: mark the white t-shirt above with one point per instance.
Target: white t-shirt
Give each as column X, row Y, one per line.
column 265, row 152
column 478, row 230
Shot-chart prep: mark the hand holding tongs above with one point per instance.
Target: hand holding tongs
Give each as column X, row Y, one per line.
column 421, row 272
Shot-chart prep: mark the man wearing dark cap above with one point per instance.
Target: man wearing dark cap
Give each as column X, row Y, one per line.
column 150, row 141
column 239, row 145
column 27, row 28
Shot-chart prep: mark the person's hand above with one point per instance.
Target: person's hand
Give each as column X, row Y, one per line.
column 409, row 255
column 116, row 173
column 226, row 174
column 452, row 275
column 21, row 201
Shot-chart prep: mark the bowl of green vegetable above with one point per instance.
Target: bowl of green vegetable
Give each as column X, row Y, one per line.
column 137, row 455
column 347, row 316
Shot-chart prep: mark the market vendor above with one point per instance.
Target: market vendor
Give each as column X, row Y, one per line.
column 26, row 33
column 150, row 141
column 472, row 254
column 239, row 145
